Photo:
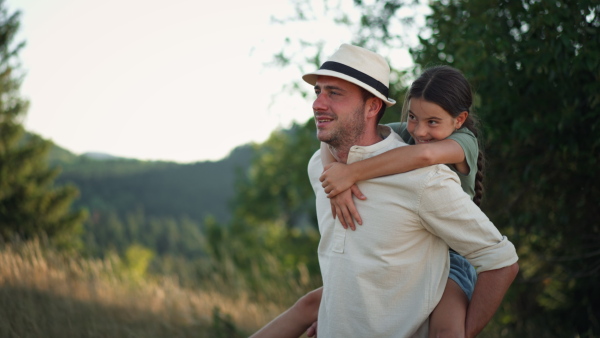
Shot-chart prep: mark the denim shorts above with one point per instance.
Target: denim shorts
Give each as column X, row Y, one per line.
column 463, row 273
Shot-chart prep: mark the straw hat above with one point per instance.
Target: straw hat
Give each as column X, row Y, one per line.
column 359, row 66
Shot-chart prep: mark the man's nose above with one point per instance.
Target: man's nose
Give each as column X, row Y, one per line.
column 319, row 103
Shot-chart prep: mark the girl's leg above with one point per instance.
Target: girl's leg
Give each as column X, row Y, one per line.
column 448, row 317
column 295, row 320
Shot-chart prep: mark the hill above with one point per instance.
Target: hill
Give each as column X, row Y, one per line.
column 159, row 188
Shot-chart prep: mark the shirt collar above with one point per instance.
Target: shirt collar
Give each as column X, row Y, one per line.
column 390, row 140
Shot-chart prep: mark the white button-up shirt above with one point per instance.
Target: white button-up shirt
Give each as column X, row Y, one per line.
column 385, row 278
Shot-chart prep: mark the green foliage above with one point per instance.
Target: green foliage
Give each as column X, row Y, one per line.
column 267, row 262
column 136, row 261
column 177, row 236
column 30, row 204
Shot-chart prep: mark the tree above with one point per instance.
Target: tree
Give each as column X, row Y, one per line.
column 30, row 205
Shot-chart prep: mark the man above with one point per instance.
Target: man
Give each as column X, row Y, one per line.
column 386, row 280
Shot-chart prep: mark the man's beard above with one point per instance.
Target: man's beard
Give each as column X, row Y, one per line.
column 347, row 134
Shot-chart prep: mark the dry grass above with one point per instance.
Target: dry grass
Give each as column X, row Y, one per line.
column 46, row 294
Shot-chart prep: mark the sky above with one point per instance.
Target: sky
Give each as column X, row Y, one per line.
column 182, row 81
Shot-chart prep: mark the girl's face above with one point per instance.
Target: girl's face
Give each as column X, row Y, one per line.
column 428, row 122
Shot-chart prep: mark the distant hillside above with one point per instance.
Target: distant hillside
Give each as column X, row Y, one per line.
column 100, row 156
column 163, row 189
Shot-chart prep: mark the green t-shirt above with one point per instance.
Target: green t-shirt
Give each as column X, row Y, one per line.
column 466, row 139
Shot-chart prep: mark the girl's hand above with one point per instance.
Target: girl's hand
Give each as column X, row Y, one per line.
column 336, row 178
column 342, row 207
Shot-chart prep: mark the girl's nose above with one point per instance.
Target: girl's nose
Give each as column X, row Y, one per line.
column 420, row 130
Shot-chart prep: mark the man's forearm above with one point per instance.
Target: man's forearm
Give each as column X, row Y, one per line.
column 489, row 291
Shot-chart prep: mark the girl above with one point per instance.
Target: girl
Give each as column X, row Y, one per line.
column 439, row 124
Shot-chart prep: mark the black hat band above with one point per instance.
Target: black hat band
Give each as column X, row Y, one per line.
column 357, row 74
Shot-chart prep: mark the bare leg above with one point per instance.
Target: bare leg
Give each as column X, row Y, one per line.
column 295, row 320
column 449, row 316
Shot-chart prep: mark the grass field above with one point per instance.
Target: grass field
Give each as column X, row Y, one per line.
column 47, row 294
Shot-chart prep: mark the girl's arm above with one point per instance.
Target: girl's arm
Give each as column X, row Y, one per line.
column 338, row 177
column 342, row 205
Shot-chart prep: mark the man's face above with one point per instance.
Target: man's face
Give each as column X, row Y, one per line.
column 339, row 111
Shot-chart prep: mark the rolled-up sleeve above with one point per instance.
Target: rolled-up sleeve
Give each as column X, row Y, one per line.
column 449, row 213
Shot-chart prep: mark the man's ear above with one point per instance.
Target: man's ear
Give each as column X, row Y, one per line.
column 373, row 106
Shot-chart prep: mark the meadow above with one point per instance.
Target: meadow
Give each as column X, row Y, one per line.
column 45, row 293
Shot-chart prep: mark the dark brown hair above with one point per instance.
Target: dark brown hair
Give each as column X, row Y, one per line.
column 448, row 88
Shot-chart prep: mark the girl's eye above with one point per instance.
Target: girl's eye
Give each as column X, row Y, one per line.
column 411, row 117
column 433, row 123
